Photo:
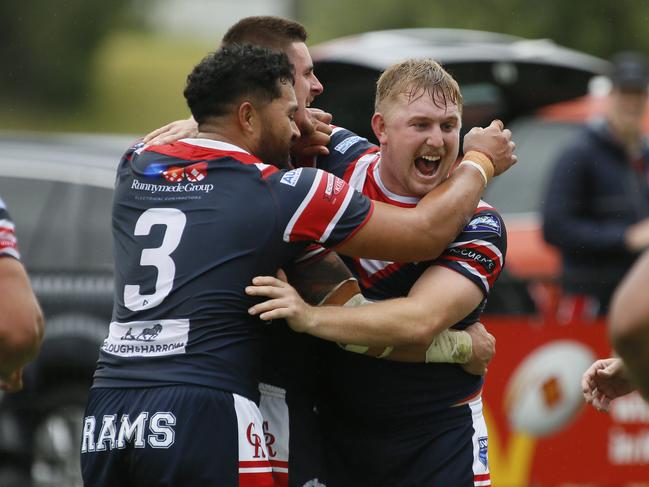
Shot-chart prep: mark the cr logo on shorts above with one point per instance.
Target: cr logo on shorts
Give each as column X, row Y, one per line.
column 255, row 440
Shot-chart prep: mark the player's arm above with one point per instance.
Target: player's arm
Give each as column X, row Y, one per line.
column 172, row 132
column 423, row 232
column 311, row 143
column 316, row 278
column 605, row 380
column 439, row 299
column 629, row 324
column 21, row 323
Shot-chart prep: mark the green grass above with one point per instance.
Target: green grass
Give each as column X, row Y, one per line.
column 138, row 84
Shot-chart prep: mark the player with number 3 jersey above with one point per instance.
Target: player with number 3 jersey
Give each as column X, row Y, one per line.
column 174, row 400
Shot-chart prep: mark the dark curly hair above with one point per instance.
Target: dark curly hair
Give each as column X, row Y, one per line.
column 227, row 76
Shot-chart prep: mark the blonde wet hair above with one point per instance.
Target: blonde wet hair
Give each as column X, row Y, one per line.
column 414, row 78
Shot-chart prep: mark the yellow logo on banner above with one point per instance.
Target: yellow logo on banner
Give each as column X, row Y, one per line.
column 509, row 465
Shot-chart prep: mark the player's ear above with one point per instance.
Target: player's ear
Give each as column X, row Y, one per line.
column 378, row 126
column 248, row 117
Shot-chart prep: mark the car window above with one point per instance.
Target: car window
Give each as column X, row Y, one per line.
column 60, row 226
column 538, row 144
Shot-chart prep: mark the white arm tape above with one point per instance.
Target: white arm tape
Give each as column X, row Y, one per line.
column 467, row 162
column 360, row 300
column 450, row 346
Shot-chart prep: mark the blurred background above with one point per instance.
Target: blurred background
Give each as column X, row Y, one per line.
column 115, row 70
column 120, row 65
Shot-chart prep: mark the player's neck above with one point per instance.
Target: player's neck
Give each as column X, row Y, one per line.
column 215, row 132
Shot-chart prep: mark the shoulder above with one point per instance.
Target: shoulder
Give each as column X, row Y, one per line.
column 486, row 220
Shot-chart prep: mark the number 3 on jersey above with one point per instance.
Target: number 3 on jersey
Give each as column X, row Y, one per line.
column 174, row 220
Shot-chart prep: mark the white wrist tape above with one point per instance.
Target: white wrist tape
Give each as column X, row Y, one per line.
column 478, row 167
column 360, row 300
column 357, row 300
column 450, row 346
column 354, row 348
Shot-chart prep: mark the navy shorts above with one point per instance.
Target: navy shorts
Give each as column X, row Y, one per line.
column 180, row 436
column 447, row 449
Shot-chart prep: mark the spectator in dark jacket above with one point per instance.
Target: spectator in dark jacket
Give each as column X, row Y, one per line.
column 597, row 201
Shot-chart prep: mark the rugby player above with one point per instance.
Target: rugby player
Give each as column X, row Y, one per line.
column 21, row 319
column 628, row 320
column 389, row 423
column 287, row 392
column 174, row 399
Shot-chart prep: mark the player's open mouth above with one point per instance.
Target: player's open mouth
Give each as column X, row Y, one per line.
column 427, row 166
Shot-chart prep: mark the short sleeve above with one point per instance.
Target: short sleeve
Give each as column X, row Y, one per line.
column 8, row 242
column 345, row 148
column 478, row 252
column 317, row 206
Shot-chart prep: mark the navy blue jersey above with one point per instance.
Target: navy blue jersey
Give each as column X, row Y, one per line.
column 193, row 223
column 8, row 243
column 364, row 387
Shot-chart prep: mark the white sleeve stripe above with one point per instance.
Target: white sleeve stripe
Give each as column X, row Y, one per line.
column 8, row 224
column 305, row 202
column 10, row 251
column 372, row 266
column 337, row 216
column 480, row 243
column 476, row 273
column 261, row 166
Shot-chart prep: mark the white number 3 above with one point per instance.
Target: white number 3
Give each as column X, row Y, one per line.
column 158, row 257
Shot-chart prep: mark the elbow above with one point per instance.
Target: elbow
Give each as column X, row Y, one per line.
column 23, row 338
column 629, row 337
column 439, row 235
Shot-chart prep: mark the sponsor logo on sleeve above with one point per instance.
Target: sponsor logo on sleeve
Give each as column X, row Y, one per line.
column 291, row 177
column 470, row 254
column 484, row 223
column 334, row 186
column 343, row 146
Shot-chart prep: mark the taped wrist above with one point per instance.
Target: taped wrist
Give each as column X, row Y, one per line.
column 450, row 346
column 483, row 161
column 348, row 293
column 342, row 293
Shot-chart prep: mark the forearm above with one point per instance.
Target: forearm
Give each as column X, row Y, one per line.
column 629, row 323
column 17, row 352
column 448, row 208
column 21, row 319
column 386, row 323
column 316, row 278
column 420, row 233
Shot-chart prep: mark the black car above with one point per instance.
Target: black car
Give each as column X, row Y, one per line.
column 59, row 191
column 501, row 76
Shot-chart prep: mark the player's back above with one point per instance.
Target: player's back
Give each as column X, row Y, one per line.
column 192, row 226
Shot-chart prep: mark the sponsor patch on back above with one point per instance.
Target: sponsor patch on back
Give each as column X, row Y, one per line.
column 147, row 338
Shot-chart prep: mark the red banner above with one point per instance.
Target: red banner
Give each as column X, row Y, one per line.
column 541, row 433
